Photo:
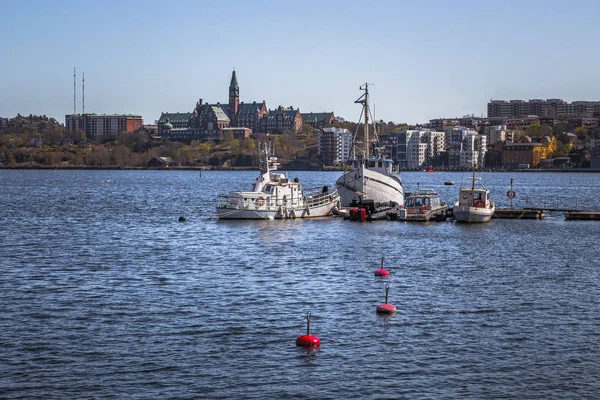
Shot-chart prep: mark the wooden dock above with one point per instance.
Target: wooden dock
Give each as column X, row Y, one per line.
column 514, row 213
column 583, row 215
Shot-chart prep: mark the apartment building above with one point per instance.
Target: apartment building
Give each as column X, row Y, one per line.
column 499, row 133
column 103, row 125
column 334, row 145
column 418, row 147
column 467, row 148
column 548, row 108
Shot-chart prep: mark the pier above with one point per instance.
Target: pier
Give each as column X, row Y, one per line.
column 513, row 213
column 583, row 215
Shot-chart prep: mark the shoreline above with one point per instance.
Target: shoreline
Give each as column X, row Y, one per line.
column 283, row 168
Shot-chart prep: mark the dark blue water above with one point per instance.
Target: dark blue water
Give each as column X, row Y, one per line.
column 104, row 294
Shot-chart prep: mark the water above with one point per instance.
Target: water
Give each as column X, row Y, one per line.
column 104, row 294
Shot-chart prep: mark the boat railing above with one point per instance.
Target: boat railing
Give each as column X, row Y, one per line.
column 318, row 197
column 311, row 199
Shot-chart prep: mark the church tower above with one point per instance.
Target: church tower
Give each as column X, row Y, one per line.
column 234, row 97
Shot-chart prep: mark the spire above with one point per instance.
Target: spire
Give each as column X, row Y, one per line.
column 234, row 98
column 234, row 82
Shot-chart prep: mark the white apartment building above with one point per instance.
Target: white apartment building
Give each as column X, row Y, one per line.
column 467, row 148
column 499, row 133
column 416, row 148
column 334, row 145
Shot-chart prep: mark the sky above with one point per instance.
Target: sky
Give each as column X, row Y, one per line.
column 425, row 59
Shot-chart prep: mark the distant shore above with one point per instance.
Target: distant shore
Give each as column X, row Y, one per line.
column 282, row 168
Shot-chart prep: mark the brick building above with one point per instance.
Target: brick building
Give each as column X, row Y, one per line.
column 106, row 126
column 208, row 120
column 318, row 120
column 515, row 154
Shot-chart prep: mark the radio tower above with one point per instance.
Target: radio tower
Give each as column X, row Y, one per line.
column 83, row 94
column 74, row 92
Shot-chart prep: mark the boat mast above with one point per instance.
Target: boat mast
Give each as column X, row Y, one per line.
column 364, row 100
column 367, row 144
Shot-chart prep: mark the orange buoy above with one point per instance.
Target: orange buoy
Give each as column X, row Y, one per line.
column 381, row 271
column 386, row 308
column 308, row 339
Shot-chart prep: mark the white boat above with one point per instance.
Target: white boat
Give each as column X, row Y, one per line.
column 474, row 204
column 372, row 177
column 274, row 196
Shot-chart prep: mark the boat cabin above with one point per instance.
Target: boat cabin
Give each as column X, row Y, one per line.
column 423, row 199
column 473, row 197
column 379, row 164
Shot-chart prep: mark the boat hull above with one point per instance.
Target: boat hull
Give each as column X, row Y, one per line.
column 437, row 214
column 324, row 210
column 370, row 185
column 472, row 214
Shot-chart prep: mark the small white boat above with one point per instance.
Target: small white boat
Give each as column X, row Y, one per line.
column 474, row 204
column 274, row 196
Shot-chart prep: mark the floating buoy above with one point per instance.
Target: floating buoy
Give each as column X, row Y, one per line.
column 381, row 271
column 308, row 339
column 181, row 219
column 386, row 308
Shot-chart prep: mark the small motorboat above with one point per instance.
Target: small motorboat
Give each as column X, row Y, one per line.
column 423, row 205
column 449, row 183
column 474, row 203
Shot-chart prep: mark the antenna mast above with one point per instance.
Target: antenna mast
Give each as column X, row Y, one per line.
column 74, row 91
column 83, row 94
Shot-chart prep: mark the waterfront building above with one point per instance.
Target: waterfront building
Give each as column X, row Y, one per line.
column 281, row 120
column 417, row 148
column 4, row 123
column 551, row 108
column 208, row 120
column 467, row 148
column 318, row 120
column 104, row 126
column 334, row 145
column 516, row 154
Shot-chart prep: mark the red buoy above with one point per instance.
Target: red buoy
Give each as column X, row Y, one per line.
column 308, row 339
column 381, row 271
column 386, row 308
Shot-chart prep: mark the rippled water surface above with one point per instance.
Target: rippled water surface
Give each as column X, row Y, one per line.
column 104, row 294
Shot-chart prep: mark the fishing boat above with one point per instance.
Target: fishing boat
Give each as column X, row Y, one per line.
column 274, row 196
column 474, row 203
column 371, row 176
column 423, row 205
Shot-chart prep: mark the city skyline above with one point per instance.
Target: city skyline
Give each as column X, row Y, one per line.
column 426, row 61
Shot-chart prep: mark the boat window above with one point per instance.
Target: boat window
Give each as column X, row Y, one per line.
column 380, row 164
column 464, row 196
column 371, row 164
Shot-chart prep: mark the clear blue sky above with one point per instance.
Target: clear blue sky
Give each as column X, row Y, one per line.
column 427, row 59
